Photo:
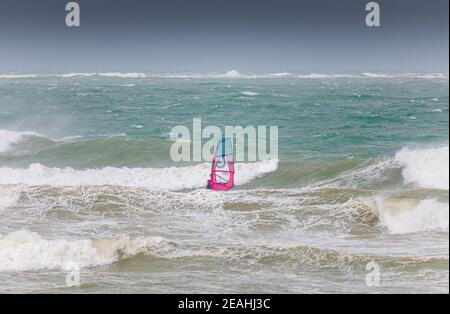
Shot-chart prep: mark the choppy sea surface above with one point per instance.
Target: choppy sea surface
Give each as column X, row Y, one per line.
column 361, row 184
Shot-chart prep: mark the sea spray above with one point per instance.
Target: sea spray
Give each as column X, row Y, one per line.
column 426, row 168
column 23, row 251
column 173, row 178
column 9, row 138
column 410, row 216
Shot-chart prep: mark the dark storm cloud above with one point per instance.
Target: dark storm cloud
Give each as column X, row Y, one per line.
column 209, row 35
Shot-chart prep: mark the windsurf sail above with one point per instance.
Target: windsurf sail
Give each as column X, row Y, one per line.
column 222, row 171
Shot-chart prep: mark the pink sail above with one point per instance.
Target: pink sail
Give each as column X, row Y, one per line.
column 222, row 171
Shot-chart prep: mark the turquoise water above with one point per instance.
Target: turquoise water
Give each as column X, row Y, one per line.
column 316, row 117
column 362, row 176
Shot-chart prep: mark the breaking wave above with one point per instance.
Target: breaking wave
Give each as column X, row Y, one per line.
column 9, row 196
column 69, row 75
column 17, row 76
column 26, row 251
column 326, row 76
column 426, row 168
column 409, row 216
column 172, row 178
column 420, row 167
column 123, row 75
column 9, row 138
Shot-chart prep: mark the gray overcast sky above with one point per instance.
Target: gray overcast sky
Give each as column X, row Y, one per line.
column 220, row 35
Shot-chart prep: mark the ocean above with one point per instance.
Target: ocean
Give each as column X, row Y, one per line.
column 356, row 202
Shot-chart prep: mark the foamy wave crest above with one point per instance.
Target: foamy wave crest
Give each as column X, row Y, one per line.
column 9, row 196
column 172, row 179
column 68, row 75
column 25, row 251
column 231, row 74
column 432, row 76
column 250, row 94
column 422, row 167
column 281, row 74
column 406, row 75
column 374, row 75
column 123, row 75
column 325, row 76
column 408, row 216
column 9, row 138
column 377, row 75
column 17, row 76
column 426, row 168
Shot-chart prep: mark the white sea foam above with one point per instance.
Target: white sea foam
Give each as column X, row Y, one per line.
column 237, row 74
column 432, row 76
column 367, row 75
column 69, row 75
column 421, row 167
column 9, row 138
column 282, row 74
column 26, row 251
column 104, row 74
column 326, row 76
column 17, row 76
column 9, row 196
column 174, row 178
column 231, row 74
column 315, row 76
column 182, row 76
column 376, row 75
column 123, row 75
column 426, row 167
column 251, row 94
column 403, row 216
